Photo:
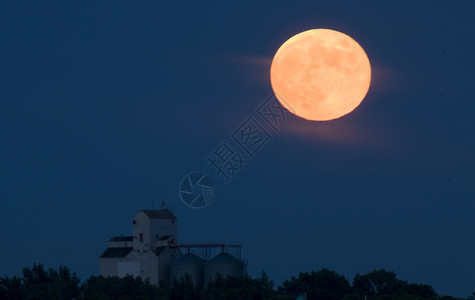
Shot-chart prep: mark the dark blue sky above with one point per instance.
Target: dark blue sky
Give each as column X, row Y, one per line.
column 106, row 105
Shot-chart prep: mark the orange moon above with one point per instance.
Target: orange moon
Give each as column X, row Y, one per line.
column 320, row 74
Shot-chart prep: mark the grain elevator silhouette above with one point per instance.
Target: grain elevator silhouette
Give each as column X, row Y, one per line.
column 153, row 253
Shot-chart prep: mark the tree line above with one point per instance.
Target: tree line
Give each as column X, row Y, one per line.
column 61, row 284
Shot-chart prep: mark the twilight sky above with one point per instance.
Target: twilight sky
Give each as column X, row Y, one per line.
column 106, row 105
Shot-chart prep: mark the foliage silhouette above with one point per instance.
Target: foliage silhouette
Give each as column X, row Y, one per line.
column 40, row 283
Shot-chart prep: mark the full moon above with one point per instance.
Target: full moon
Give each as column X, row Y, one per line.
column 320, row 74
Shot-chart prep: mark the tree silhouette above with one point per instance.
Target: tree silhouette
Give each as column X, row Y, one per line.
column 39, row 283
column 324, row 284
column 12, row 288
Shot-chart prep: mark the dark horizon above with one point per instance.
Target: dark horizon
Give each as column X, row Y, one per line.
column 40, row 282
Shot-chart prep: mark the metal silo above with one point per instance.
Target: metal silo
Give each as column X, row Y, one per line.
column 224, row 264
column 188, row 264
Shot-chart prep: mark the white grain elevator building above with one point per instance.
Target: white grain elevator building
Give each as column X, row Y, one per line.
column 153, row 252
column 146, row 253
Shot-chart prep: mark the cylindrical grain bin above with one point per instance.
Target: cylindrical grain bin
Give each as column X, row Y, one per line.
column 224, row 264
column 187, row 264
